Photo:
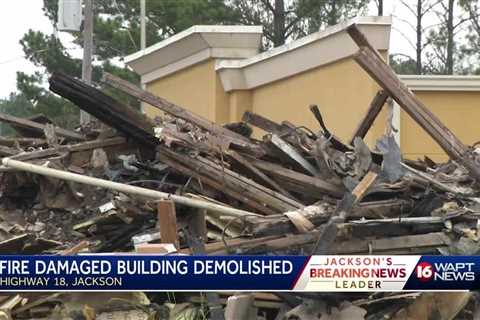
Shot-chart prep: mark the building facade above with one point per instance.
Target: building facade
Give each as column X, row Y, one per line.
column 219, row 73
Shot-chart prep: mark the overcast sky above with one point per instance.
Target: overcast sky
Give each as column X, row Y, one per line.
column 17, row 16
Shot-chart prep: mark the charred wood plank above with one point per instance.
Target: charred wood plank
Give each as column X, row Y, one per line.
column 372, row 113
column 167, row 222
column 238, row 178
column 264, row 123
column 181, row 164
column 180, row 112
column 83, row 146
column 315, row 184
column 38, row 127
column 27, row 142
column 420, row 243
column 345, row 206
column 125, row 119
column 226, row 181
column 260, row 227
column 256, row 172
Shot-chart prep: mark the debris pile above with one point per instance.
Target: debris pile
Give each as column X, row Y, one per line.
column 181, row 184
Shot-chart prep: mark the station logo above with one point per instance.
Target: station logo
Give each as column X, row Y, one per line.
column 446, row 271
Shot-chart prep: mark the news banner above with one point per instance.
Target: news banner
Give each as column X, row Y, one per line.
column 239, row 273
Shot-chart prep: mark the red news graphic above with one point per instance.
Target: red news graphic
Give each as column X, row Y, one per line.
column 358, row 267
column 356, row 273
column 424, row 271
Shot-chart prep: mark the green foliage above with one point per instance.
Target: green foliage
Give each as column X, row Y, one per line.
column 117, row 34
column 403, row 64
column 298, row 18
column 17, row 105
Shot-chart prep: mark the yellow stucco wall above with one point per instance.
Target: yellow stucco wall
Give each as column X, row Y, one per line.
column 459, row 111
column 342, row 91
column 197, row 88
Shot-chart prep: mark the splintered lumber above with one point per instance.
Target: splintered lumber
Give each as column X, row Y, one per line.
column 298, row 219
column 23, row 142
column 75, row 249
column 172, row 160
column 38, row 127
column 83, row 146
column 167, row 221
column 370, row 61
column 320, row 213
column 372, row 113
column 430, row 180
column 229, row 182
column 256, row 172
column 291, row 153
column 120, row 187
column 240, row 307
column 314, row 184
column 410, row 244
column 103, row 107
column 345, row 206
column 264, row 123
column 179, row 112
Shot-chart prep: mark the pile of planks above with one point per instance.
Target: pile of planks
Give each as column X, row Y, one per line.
column 181, row 183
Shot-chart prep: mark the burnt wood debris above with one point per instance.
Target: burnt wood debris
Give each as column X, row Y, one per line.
column 181, row 184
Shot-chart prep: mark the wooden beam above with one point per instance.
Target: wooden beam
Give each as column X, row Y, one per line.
column 83, row 146
column 313, row 183
column 124, row 118
column 167, row 221
column 28, row 142
column 264, row 123
column 372, row 113
column 179, row 112
column 255, row 171
column 228, row 180
column 388, row 80
column 38, row 127
column 361, row 40
column 329, row 232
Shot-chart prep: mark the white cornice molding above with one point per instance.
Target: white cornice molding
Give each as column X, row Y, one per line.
column 233, row 42
column 209, row 53
column 441, row 82
column 317, row 49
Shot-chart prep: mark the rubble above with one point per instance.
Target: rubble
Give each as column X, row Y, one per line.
column 182, row 184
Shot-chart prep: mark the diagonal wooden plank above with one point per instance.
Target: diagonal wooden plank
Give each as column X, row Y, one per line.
column 35, row 126
column 384, row 75
column 370, row 116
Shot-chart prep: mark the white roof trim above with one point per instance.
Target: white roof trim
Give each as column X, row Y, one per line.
column 247, row 39
column 441, row 82
column 198, row 57
column 320, row 48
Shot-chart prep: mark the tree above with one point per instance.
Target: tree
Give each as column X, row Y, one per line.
column 418, row 10
column 471, row 51
column 17, row 105
column 292, row 19
column 379, row 4
column 117, row 30
column 116, row 34
column 403, row 64
column 447, row 50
